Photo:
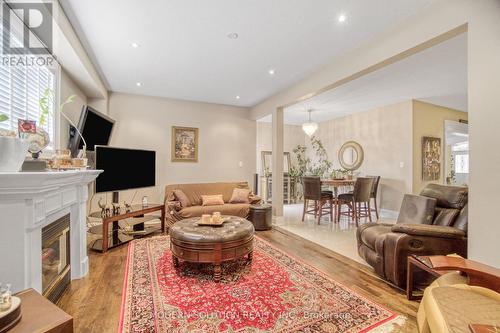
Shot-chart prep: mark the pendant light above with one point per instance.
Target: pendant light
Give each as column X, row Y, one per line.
column 310, row 127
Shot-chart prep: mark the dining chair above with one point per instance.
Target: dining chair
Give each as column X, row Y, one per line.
column 322, row 200
column 358, row 202
column 373, row 195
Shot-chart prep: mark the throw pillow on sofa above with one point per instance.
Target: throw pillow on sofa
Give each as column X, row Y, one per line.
column 212, row 200
column 240, row 195
column 182, row 198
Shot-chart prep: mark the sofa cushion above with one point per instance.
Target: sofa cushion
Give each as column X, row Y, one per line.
column 226, row 209
column 447, row 196
column 182, row 198
column 416, row 209
column 212, row 200
column 240, row 195
column 194, row 191
column 445, row 216
column 462, row 219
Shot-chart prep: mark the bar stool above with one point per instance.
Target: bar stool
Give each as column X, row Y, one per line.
column 354, row 201
column 322, row 200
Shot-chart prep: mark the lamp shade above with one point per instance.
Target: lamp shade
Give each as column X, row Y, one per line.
column 309, row 128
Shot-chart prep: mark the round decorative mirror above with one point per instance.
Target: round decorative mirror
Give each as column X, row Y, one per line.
column 351, row 155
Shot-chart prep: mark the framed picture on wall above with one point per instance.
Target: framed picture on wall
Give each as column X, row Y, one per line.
column 431, row 158
column 184, row 144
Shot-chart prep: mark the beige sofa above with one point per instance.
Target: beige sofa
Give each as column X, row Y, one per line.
column 175, row 212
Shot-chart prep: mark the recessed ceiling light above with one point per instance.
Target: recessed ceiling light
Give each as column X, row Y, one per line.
column 135, row 45
column 138, row 84
column 232, row 35
column 238, row 97
column 272, row 72
column 342, row 18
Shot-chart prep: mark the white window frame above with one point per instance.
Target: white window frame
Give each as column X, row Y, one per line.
column 55, row 117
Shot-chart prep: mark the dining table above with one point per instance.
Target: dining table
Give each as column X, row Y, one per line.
column 336, row 183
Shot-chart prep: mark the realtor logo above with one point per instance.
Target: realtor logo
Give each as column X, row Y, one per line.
column 36, row 32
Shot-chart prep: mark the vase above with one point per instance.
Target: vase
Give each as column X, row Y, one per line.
column 12, row 153
column 37, row 141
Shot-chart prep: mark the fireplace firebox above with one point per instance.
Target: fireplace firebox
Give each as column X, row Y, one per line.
column 56, row 268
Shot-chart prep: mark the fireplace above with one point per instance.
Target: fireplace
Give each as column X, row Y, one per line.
column 56, row 268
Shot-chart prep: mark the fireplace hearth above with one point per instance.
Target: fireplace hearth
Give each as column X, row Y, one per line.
column 56, row 267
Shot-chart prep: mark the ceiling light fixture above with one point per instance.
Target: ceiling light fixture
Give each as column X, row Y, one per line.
column 138, row 84
column 232, row 35
column 272, row 72
column 135, row 45
column 238, row 97
column 310, row 127
column 342, row 18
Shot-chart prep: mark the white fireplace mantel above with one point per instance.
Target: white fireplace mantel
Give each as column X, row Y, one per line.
column 28, row 202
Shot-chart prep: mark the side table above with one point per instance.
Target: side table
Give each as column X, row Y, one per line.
column 261, row 216
column 38, row 314
column 422, row 263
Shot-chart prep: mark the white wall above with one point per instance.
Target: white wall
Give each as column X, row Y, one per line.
column 385, row 134
column 226, row 137
column 482, row 18
column 293, row 136
column 67, row 87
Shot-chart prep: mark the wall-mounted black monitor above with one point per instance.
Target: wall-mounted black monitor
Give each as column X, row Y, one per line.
column 95, row 127
column 124, row 169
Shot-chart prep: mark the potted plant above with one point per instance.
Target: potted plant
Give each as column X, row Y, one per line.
column 12, row 149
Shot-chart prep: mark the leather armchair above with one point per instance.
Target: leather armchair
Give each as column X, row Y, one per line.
column 386, row 246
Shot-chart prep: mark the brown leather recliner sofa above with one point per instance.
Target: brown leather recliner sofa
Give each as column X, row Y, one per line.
column 386, row 246
column 174, row 210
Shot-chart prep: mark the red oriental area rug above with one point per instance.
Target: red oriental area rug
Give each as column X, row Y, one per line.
column 273, row 293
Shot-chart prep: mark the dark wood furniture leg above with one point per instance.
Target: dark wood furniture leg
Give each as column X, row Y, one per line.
column 175, row 261
column 304, row 211
column 105, row 225
column 217, row 262
column 217, row 272
column 163, row 220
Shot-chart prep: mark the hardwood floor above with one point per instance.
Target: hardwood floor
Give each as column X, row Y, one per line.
column 95, row 301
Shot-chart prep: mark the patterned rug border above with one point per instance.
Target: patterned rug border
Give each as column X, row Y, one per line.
column 329, row 278
column 380, row 324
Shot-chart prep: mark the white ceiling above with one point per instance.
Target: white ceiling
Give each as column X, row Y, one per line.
column 437, row 75
column 185, row 53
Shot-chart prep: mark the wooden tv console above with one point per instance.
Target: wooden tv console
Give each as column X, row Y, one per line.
column 136, row 215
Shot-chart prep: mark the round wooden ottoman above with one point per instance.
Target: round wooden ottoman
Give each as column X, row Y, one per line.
column 261, row 216
column 211, row 244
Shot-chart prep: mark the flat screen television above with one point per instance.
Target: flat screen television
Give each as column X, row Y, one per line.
column 95, row 127
column 124, row 169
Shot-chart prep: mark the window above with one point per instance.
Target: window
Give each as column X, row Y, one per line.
column 462, row 163
column 21, row 88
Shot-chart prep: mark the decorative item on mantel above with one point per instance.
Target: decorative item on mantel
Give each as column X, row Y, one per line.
column 10, row 309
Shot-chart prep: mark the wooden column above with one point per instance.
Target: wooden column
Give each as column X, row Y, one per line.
column 277, row 167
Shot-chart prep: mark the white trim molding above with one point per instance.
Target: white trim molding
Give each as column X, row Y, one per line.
column 28, row 202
